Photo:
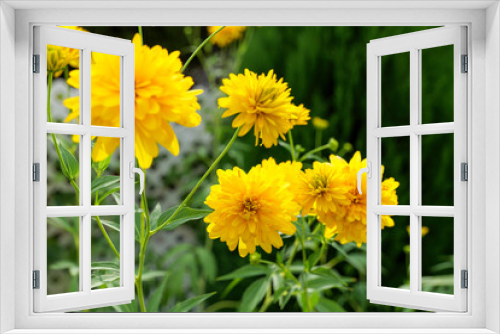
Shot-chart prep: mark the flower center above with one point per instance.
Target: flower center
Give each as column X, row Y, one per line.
column 320, row 183
column 250, row 206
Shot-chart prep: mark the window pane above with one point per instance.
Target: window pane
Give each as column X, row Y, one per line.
column 63, row 83
column 106, row 171
column 396, row 252
column 63, row 255
column 437, row 170
column 395, row 95
column 437, row 254
column 105, row 251
column 437, row 84
column 105, row 88
column 396, row 165
column 63, row 170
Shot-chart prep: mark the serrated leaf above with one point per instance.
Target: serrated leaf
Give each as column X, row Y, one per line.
column 245, row 271
column 72, row 166
column 104, row 182
column 111, row 224
column 183, row 216
column 329, row 273
column 253, row 295
column 328, row 305
column 155, row 214
column 188, row 305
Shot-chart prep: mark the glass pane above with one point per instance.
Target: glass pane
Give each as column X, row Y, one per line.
column 63, row 83
column 105, row 89
column 396, row 165
column 437, row 254
column 395, row 95
column 437, row 170
column 396, row 252
column 437, row 84
column 105, row 249
column 63, row 169
column 106, row 171
column 63, row 255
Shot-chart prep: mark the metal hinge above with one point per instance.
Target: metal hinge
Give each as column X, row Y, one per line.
column 36, row 63
column 464, row 279
column 464, row 172
column 36, row 279
column 36, row 172
column 465, row 64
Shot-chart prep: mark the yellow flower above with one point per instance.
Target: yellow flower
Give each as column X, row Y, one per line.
column 320, row 123
column 226, row 36
column 292, row 171
column 58, row 57
column 162, row 96
column 251, row 209
column 262, row 102
column 424, row 230
column 323, row 190
column 349, row 223
column 300, row 115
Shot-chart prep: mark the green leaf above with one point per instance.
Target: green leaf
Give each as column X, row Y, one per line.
column 183, row 216
column 111, row 224
column 189, row 304
column 70, row 161
column 329, row 273
column 358, row 261
column 328, row 305
column 102, row 165
column 320, row 283
column 97, row 279
column 105, row 266
column 245, row 271
column 253, row 295
column 104, row 182
column 153, row 274
column 155, row 300
column 72, row 267
column 62, row 224
column 207, row 263
column 155, row 214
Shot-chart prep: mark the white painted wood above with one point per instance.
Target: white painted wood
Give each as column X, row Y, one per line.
column 446, row 13
column 413, row 43
column 86, row 298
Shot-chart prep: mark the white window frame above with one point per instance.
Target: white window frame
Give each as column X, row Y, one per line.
column 414, row 43
column 483, row 20
column 87, row 43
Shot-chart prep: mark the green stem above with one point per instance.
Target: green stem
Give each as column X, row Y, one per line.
column 306, row 306
column 292, row 147
column 311, row 152
column 142, row 252
column 54, row 138
column 200, row 47
column 210, row 169
column 141, row 34
column 269, row 299
column 106, row 236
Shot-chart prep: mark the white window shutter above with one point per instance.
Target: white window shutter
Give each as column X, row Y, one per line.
column 86, row 297
column 413, row 43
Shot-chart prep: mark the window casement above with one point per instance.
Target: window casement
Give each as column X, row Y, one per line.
column 415, row 44
column 480, row 298
column 84, row 213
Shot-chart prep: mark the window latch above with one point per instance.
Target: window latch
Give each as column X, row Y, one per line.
column 368, row 171
column 134, row 170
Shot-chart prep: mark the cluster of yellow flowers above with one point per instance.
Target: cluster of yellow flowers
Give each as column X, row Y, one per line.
column 262, row 102
column 252, row 209
column 162, row 95
column 226, row 36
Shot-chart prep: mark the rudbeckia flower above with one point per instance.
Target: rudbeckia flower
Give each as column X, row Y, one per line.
column 260, row 102
column 251, row 209
column 349, row 223
column 162, row 95
column 226, row 36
